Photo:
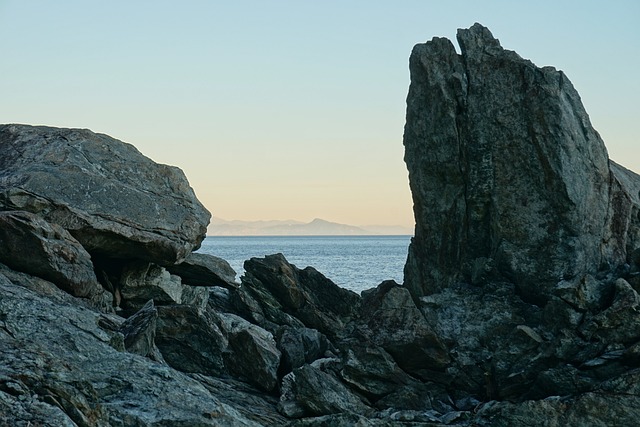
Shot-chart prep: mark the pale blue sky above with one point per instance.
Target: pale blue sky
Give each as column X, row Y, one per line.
column 290, row 109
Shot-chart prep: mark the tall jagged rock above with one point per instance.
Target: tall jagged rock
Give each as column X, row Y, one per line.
column 525, row 260
column 116, row 202
column 509, row 179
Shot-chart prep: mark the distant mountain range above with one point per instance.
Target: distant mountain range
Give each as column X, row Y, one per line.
column 317, row 227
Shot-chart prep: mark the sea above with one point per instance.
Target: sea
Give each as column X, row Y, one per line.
column 352, row 262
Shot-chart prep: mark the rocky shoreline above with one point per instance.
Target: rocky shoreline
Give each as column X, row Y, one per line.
column 519, row 305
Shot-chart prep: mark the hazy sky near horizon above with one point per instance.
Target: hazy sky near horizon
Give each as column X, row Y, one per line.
column 290, row 109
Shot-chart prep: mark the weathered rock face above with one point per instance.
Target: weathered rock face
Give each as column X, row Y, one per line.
column 30, row 244
column 393, row 322
column 252, row 353
column 525, row 260
column 60, row 368
column 113, row 200
column 205, row 270
column 508, row 177
column 305, row 294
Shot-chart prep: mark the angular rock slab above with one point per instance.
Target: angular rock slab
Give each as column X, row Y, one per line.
column 253, row 354
column 392, row 321
column 508, row 177
column 32, row 245
column 115, row 201
column 205, row 270
column 190, row 341
column 309, row 391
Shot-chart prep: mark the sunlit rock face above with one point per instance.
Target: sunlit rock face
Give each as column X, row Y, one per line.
column 509, row 179
column 116, row 202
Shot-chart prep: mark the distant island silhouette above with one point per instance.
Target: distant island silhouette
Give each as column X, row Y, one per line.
column 317, row 227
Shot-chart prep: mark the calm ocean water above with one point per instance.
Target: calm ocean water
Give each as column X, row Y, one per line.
column 352, row 262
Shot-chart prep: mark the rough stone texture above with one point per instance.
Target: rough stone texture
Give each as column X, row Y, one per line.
column 299, row 346
column 305, row 294
column 205, row 270
column 139, row 330
column 141, row 282
column 508, row 177
column 190, row 341
column 525, row 260
column 373, row 372
column 616, row 402
column 252, row 353
column 31, row 245
column 59, row 369
column 310, row 391
column 392, row 321
column 112, row 199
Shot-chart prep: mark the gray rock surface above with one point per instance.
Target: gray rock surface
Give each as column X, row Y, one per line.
column 310, row 391
column 392, row 321
column 525, row 257
column 304, row 294
column 112, row 199
column 190, row 341
column 508, row 177
column 139, row 330
column 373, row 372
column 252, row 353
column 30, row 244
column 299, row 346
column 142, row 281
column 59, row 368
column 205, row 270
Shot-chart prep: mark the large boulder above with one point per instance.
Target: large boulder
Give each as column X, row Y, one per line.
column 509, row 179
column 526, row 255
column 116, row 202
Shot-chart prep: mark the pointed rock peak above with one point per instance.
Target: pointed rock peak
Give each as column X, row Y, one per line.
column 477, row 38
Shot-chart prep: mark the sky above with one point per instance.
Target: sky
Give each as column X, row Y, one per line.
column 290, row 109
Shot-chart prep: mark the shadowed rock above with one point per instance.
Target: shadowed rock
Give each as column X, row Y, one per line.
column 392, row 321
column 310, row 391
column 305, row 294
column 112, row 199
column 252, row 353
column 30, row 244
column 205, row 270
column 190, row 341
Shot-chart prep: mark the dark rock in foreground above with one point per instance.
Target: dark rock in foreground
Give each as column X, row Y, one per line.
column 30, row 244
column 60, row 368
